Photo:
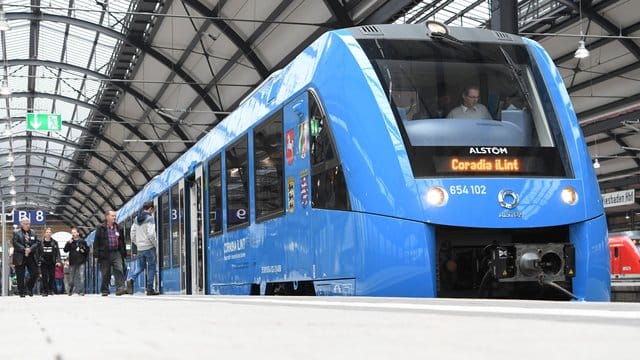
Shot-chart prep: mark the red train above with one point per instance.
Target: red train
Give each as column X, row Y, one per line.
column 625, row 257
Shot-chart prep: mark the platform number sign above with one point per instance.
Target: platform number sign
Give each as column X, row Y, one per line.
column 36, row 217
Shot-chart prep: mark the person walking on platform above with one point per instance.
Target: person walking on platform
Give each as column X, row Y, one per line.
column 49, row 258
column 143, row 234
column 109, row 249
column 78, row 251
column 25, row 252
column 59, row 274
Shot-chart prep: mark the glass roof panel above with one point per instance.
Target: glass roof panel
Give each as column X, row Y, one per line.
column 17, row 105
column 104, row 52
column 17, row 46
column 18, row 77
column 80, row 43
column 42, row 105
column 470, row 13
column 45, row 80
column 51, row 41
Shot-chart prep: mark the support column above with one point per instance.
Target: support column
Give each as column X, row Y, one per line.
column 504, row 16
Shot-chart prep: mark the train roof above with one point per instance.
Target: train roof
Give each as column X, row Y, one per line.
column 418, row 31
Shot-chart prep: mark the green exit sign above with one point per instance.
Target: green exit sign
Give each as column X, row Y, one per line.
column 44, row 122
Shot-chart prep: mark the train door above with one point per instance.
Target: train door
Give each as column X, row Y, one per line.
column 301, row 259
column 195, row 225
column 616, row 268
column 178, row 229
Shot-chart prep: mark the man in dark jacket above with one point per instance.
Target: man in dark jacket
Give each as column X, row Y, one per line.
column 26, row 249
column 78, row 250
column 109, row 249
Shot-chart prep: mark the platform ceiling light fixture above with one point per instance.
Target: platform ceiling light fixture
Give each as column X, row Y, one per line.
column 4, row 88
column 4, row 24
column 13, row 202
column 596, row 164
column 12, row 191
column 10, row 158
column 12, row 177
column 581, row 51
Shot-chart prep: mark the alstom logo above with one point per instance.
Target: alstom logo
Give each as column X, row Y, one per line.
column 489, row 150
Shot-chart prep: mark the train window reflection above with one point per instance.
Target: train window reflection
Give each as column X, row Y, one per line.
column 268, row 162
column 215, row 196
column 237, row 171
column 328, row 186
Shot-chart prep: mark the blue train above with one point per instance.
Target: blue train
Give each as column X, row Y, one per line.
column 354, row 171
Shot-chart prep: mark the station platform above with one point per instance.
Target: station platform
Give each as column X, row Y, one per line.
column 214, row 327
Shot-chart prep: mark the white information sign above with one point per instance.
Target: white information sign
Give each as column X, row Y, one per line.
column 619, row 198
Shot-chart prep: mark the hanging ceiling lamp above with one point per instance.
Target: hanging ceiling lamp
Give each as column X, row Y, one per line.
column 4, row 24
column 582, row 51
column 4, row 88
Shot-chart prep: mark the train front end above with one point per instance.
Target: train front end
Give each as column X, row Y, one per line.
column 502, row 173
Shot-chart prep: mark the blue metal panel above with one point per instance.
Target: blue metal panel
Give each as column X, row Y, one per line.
column 580, row 158
column 91, row 238
column 371, row 150
column 170, row 283
column 386, row 256
column 288, row 245
column 473, row 202
column 231, row 289
column 593, row 279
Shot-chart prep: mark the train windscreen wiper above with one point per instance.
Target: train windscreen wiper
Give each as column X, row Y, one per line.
column 516, row 73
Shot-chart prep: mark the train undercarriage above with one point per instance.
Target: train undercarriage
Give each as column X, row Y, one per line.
column 535, row 264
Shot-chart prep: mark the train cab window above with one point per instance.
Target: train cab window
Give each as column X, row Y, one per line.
column 328, row 186
column 165, row 220
column 268, row 162
column 237, row 171
column 453, row 102
column 215, row 196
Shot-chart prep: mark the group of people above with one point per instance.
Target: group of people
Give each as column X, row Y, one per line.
column 41, row 257
column 109, row 248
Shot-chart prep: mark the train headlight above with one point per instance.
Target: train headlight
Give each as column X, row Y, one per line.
column 436, row 28
column 437, row 196
column 569, row 195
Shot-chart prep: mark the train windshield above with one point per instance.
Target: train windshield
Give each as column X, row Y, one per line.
column 468, row 109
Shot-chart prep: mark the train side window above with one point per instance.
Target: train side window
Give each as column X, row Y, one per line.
column 615, row 252
column 215, row 196
column 329, row 188
column 164, row 230
column 268, row 165
column 237, row 171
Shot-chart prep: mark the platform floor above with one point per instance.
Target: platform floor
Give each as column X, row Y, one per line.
column 212, row 327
